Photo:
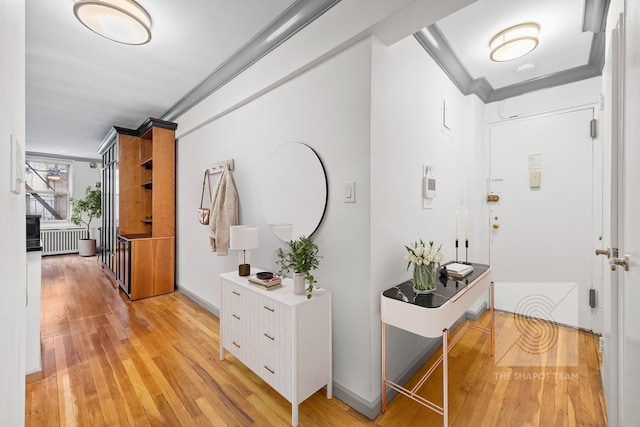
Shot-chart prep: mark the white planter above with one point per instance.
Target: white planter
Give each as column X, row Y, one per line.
column 298, row 284
column 87, row 247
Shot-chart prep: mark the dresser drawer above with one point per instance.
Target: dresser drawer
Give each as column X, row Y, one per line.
column 234, row 298
column 274, row 340
column 237, row 345
column 235, row 320
column 275, row 372
column 273, row 312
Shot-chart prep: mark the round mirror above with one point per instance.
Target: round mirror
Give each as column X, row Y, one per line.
column 294, row 191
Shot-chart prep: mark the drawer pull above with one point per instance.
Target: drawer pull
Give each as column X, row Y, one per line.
column 269, row 369
column 235, row 293
column 236, row 316
column 269, row 308
column 236, row 344
column 269, row 336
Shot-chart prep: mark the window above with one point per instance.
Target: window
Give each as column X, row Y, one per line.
column 47, row 188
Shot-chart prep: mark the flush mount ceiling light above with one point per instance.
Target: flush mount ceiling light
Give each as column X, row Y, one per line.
column 123, row 21
column 514, row 42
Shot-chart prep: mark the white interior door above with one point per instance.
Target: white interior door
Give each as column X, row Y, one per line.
column 542, row 235
column 629, row 223
column 612, row 82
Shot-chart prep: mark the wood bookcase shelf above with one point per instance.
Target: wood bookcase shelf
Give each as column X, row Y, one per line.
column 145, row 253
column 147, row 164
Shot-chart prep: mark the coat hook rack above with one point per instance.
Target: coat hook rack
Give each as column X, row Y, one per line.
column 219, row 167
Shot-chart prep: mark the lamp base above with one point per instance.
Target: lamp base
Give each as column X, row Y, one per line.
column 244, row 269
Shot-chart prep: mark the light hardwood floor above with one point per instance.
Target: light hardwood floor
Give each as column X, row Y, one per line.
column 111, row 362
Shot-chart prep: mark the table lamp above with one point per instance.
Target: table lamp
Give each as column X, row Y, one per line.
column 242, row 238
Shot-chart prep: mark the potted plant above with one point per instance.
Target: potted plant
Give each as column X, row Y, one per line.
column 83, row 211
column 301, row 258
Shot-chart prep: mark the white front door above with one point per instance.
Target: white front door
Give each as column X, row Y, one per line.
column 543, row 230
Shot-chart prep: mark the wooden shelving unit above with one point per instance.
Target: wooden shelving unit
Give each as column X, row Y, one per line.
column 146, row 237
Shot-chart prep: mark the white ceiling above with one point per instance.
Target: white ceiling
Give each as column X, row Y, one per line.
column 79, row 85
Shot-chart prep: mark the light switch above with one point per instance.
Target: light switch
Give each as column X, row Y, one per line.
column 349, row 192
column 535, row 178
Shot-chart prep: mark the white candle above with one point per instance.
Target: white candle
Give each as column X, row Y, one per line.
column 456, row 225
column 466, row 225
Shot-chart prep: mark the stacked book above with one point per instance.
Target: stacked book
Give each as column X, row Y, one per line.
column 268, row 284
column 458, row 270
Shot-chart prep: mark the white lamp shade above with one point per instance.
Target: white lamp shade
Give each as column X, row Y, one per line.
column 243, row 237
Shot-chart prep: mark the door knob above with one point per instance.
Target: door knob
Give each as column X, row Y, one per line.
column 603, row 252
column 496, row 226
column 622, row 262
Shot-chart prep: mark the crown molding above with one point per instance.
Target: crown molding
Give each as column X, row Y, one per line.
column 295, row 18
column 436, row 45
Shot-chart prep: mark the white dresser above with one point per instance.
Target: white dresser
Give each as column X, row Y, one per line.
column 284, row 338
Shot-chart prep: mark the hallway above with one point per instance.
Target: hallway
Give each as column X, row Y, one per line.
column 108, row 361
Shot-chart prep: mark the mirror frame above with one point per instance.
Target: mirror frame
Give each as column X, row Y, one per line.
column 283, row 231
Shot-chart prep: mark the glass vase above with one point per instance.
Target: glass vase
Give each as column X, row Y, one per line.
column 424, row 278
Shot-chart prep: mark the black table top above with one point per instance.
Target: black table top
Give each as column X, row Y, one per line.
column 446, row 288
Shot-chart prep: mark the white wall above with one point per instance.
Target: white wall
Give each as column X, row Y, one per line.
column 408, row 93
column 584, row 92
column 372, row 113
column 12, row 245
column 326, row 107
column 381, row 130
column 83, row 176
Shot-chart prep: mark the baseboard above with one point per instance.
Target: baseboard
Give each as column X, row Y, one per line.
column 372, row 409
column 202, row 303
column 33, row 377
column 475, row 315
column 368, row 409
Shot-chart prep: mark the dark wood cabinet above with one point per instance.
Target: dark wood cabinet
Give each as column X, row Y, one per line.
column 108, row 231
column 123, row 273
column 145, row 212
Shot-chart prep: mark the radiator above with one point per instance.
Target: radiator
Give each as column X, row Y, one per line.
column 61, row 241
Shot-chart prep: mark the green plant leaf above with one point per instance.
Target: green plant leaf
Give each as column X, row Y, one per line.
column 302, row 257
column 84, row 210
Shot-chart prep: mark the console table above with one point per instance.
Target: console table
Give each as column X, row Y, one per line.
column 432, row 315
column 284, row 338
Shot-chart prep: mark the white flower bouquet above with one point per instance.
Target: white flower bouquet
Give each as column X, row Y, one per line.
column 424, row 259
column 419, row 254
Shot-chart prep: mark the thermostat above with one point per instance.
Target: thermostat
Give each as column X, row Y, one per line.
column 428, row 186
